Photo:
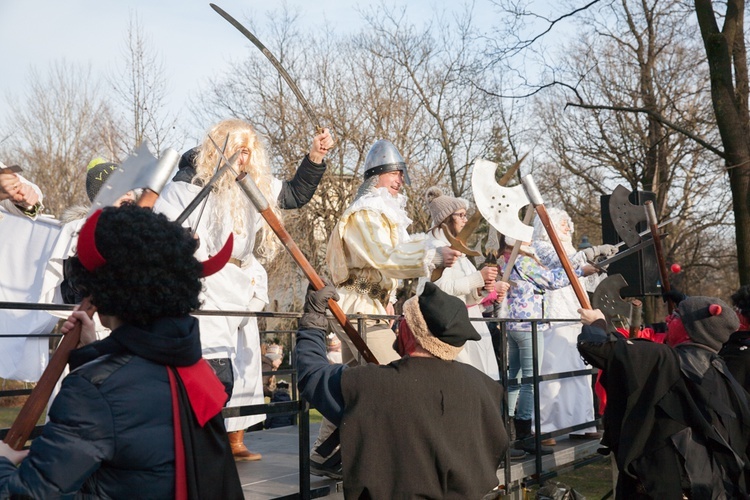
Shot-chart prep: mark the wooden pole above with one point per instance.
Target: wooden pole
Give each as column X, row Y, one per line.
column 653, row 224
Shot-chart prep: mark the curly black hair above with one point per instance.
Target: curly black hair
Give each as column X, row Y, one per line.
column 741, row 300
column 150, row 270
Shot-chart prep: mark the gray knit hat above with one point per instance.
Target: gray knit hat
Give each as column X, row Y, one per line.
column 708, row 320
column 442, row 206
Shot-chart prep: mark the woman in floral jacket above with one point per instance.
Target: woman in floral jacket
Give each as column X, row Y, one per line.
column 524, row 301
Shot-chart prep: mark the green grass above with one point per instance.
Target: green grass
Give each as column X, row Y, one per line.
column 593, row 481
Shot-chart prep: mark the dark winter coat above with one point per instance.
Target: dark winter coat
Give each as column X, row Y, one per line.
column 676, row 420
column 736, row 354
column 110, row 432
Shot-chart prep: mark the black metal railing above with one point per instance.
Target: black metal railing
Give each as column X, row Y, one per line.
column 300, row 408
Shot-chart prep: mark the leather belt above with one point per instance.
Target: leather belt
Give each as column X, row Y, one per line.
column 364, row 287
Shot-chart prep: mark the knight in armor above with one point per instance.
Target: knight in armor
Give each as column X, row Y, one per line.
column 677, row 421
column 369, row 250
column 422, row 426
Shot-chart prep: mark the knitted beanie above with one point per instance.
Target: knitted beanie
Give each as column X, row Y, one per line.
column 709, row 321
column 442, row 206
column 439, row 322
column 96, row 173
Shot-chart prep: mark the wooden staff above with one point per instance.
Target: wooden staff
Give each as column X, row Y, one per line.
column 536, row 200
column 653, row 224
column 261, row 204
column 32, row 409
column 37, row 401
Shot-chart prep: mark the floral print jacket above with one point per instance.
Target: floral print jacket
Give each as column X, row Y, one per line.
column 524, row 300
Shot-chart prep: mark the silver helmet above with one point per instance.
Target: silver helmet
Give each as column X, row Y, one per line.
column 384, row 157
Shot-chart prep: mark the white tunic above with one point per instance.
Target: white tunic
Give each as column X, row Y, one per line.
column 462, row 280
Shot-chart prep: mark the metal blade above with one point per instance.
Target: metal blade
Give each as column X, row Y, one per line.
column 288, row 79
column 648, row 231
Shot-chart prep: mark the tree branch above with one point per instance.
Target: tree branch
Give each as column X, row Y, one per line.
column 658, row 118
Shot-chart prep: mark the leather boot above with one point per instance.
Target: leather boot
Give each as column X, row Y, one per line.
column 239, row 450
column 525, row 439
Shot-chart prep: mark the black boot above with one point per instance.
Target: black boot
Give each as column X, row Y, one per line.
column 525, row 439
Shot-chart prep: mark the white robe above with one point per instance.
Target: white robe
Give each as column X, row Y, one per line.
column 564, row 402
column 25, row 246
column 231, row 289
column 462, row 280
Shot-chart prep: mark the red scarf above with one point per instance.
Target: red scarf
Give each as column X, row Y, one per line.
column 207, row 397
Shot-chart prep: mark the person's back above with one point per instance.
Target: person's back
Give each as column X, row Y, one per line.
column 406, row 433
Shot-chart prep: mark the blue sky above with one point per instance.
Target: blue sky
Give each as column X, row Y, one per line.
column 36, row 33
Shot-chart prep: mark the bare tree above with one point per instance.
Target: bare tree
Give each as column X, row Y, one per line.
column 727, row 61
column 141, row 93
column 641, row 69
column 56, row 132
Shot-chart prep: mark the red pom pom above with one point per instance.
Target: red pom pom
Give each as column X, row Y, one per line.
column 676, row 268
column 714, row 309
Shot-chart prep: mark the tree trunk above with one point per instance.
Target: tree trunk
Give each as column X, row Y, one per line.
column 729, row 94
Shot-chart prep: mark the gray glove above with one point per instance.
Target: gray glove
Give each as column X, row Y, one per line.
column 316, row 302
column 599, row 252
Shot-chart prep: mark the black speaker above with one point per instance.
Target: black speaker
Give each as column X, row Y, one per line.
column 641, row 269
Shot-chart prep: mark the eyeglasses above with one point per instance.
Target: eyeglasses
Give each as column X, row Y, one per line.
column 460, row 216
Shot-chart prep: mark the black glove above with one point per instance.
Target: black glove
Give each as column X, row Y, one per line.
column 316, row 302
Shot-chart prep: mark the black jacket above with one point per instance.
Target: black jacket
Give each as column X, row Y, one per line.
column 676, row 420
column 110, row 432
column 295, row 193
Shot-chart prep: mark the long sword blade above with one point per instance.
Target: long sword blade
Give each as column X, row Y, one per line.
column 288, row 79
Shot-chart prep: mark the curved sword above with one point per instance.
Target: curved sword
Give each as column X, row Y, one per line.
column 276, row 64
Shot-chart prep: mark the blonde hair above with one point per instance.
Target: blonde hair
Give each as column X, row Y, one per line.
column 229, row 197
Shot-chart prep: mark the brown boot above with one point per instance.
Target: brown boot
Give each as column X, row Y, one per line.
column 239, row 450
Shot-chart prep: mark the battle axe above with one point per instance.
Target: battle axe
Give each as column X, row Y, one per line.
column 535, row 198
column 608, row 300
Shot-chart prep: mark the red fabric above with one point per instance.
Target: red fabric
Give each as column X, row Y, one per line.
column 744, row 322
column 648, row 333
column 405, row 343
column 676, row 333
column 601, row 393
column 205, row 391
column 180, row 476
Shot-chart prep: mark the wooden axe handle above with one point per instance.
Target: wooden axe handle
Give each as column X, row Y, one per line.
column 32, row 409
column 636, row 307
column 317, row 283
column 653, row 224
column 583, row 298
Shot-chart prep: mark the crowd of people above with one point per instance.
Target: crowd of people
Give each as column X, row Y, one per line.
column 677, row 419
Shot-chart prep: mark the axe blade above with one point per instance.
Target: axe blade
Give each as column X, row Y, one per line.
column 607, row 298
column 139, row 170
column 625, row 215
column 498, row 204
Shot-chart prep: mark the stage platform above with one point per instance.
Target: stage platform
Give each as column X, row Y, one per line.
column 277, row 474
